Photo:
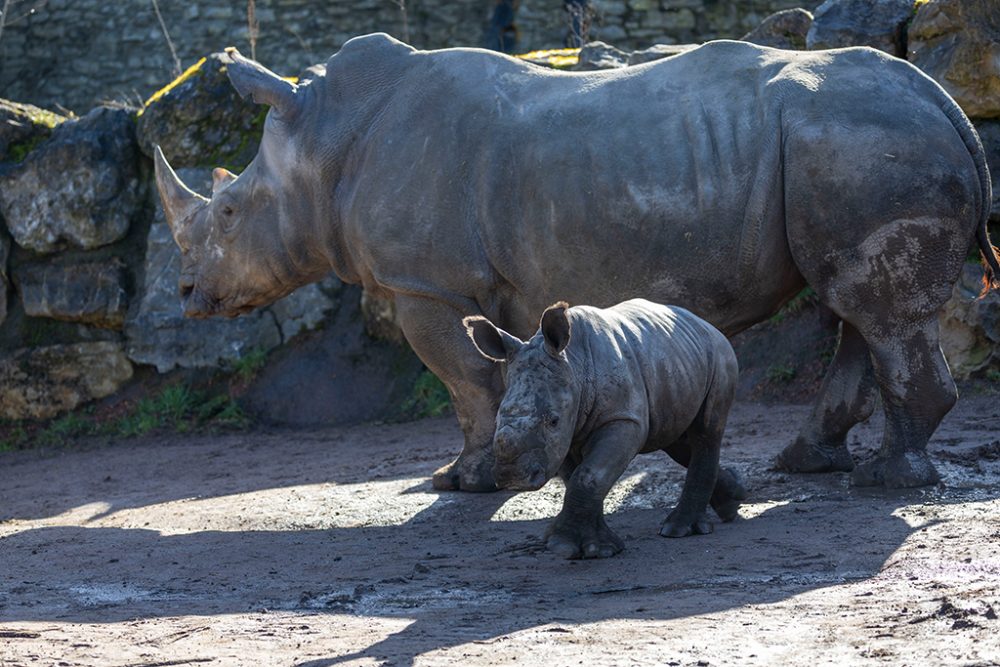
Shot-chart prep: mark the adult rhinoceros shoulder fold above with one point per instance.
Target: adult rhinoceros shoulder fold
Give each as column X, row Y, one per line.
column 251, row 78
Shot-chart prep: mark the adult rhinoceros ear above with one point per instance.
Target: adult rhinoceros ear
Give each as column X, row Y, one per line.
column 266, row 87
column 492, row 342
column 555, row 328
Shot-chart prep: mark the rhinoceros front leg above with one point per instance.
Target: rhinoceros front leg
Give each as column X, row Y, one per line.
column 435, row 332
column 847, row 397
column 579, row 530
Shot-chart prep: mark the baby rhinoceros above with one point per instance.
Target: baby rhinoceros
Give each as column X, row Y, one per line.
column 593, row 388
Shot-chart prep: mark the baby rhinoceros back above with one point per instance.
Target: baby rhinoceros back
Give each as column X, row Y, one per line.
column 593, row 388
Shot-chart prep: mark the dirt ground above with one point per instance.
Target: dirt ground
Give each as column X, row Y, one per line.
column 329, row 547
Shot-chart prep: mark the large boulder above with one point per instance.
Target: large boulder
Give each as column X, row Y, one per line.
column 80, row 188
column 200, row 120
column 158, row 333
column 957, row 42
column 877, row 23
column 989, row 132
column 786, row 29
column 22, row 127
column 42, row 382
column 88, row 292
column 970, row 326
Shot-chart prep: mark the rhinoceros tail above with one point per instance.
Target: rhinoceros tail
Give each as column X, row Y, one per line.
column 989, row 252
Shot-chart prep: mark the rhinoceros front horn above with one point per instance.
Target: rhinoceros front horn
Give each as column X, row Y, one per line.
column 266, row 87
column 179, row 201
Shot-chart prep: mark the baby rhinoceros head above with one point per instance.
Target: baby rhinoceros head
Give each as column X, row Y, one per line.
column 537, row 416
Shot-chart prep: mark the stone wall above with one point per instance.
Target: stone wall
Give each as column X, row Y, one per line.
column 77, row 53
column 88, row 269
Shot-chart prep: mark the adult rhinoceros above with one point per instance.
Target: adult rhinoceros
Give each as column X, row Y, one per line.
column 463, row 182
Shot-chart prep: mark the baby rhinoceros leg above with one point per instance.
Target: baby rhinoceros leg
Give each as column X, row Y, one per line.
column 579, row 531
column 704, row 482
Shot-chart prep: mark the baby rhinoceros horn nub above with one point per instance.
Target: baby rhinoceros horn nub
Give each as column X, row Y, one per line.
column 179, row 201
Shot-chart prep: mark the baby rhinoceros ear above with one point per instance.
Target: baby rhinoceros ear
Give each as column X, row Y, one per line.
column 492, row 342
column 555, row 328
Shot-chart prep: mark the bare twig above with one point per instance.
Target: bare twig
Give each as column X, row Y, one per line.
column 8, row 8
column 173, row 52
column 406, row 22
column 3, row 15
column 253, row 27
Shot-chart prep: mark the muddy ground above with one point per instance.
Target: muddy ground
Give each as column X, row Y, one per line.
column 329, row 547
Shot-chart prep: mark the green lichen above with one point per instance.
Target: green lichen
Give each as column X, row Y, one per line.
column 17, row 151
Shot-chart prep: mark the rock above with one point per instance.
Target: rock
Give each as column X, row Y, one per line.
column 41, row 382
column 158, row 333
column 80, row 188
column 970, row 326
column 877, row 23
column 380, row 319
column 22, row 128
column 4, row 281
column 658, row 52
column 200, row 120
column 306, row 308
column 337, row 375
column 598, row 55
column 989, row 133
column 786, row 29
column 91, row 292
column 957, row 42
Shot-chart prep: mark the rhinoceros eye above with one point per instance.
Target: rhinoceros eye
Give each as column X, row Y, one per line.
column 228, row 218
column 552, row 421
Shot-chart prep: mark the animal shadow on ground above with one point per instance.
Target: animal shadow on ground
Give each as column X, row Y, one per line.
column 381, row 543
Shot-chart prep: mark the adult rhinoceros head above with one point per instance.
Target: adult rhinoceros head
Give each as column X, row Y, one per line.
column 271, row 229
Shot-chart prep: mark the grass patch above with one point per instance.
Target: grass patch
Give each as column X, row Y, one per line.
column 177, row 408
column 780, row 373
column 428, row 398
column 246, row 368
column 804, row 299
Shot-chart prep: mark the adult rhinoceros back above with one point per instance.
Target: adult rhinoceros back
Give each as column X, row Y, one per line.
column 462, row 182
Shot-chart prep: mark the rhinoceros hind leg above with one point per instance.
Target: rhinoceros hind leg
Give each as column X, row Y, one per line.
column 846, row 398
column 917, row 392
column 728, row 493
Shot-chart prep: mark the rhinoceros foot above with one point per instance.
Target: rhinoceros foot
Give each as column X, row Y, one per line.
column 729, row 491
column 805, row 456
column 459, row 475
column 906, row 470
column 678, row 524
column 590, row 539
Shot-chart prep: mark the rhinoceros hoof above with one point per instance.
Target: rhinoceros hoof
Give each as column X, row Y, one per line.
column 459, row 477
column 803, row 456
column 729, row 491
column 903, row 471
column 680, row 525
column 593, row 540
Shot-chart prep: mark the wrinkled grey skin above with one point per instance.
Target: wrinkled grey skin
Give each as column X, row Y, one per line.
column 593, row 388
column 464, row 182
